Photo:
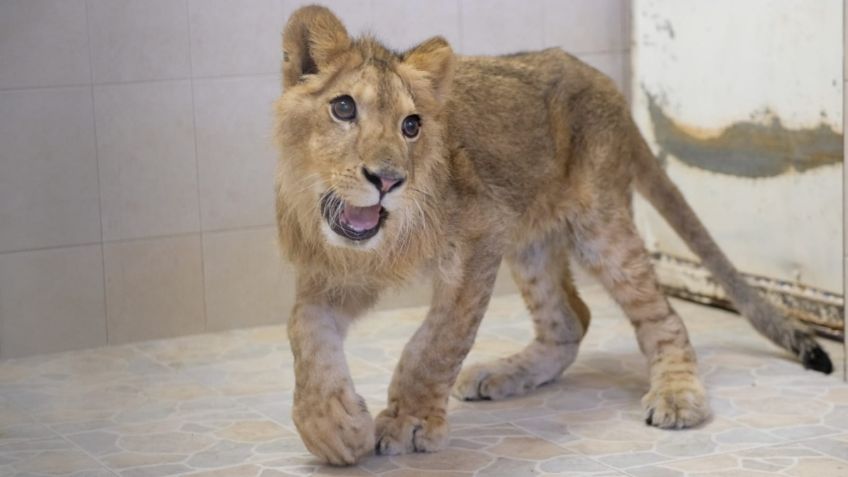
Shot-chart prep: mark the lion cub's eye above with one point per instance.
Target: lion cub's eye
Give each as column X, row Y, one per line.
column 411, row 125
column 343, row 108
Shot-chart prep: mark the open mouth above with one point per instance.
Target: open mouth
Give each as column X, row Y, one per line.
column 351, row 222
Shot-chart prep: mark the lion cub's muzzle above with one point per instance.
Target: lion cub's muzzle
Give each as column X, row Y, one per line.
column 360, row 223
column 352, row 222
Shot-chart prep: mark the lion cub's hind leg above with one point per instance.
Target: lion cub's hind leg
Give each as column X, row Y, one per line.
column 560, row 319
column 613, row 249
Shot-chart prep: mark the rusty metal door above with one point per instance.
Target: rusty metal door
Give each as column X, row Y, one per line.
column 742, row 102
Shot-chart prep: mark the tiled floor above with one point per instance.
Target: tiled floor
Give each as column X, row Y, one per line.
column 219, row 405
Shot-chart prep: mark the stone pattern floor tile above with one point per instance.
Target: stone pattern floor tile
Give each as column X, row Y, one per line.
column 219, row 405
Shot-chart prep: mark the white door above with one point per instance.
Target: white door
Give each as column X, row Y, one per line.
column 742, row 101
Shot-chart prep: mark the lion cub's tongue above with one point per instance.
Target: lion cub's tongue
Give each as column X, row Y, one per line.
column 361, row 218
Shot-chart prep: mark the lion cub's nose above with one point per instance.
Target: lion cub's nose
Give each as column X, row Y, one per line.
column 385, row 180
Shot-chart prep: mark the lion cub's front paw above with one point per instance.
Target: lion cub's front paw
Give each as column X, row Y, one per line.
column 676, row 404
column 336, row 428
column 399, row 433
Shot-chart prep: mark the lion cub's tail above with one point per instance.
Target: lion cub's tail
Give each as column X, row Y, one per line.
column 653, row 183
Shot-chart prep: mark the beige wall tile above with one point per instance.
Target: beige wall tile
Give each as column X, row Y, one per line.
column 148, row 173
column 627, row 24
column 48, row 169
column 402, row 25
column 504, row 283
column 247, row 282
column 627, row 65
column 235, row 151
column 236, row 38
column 154, row 288
column 419, row 293
column 415, row 294
column 585, row 26
column 51, row 300
column 135, row 40
column 501, row 26
column 43, row 43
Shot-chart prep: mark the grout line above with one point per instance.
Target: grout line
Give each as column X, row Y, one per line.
column 115, row 472
column 144, row 81
column 57, row 434
column 136, row 346
column 461, row 29
column 84, row 451
column 741, row 449
column 244, row 227
column 60, row 247
column 627, row 43
column 97, row 164
column 105, row 298
column 458, row 50
column 52, row 247
column 139, row 239
column 15, row 89
column 564, row 445
column 181, row 372
column 197, row 171
column 543, row 13
column 220, row 359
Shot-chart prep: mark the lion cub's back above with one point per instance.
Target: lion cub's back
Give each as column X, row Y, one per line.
column 514, row 91
column 500, row 115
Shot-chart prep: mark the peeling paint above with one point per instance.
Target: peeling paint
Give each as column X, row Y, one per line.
column 746, row 148
column 746, row 109
column 688, row 279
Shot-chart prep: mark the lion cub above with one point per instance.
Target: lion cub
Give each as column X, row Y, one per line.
column 393, row 163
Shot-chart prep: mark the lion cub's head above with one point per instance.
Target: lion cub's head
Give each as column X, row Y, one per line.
column 360, row 130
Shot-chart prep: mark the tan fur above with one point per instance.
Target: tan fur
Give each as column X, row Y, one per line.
column 531, row 157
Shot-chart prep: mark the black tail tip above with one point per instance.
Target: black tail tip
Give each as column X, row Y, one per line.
column 817, row 359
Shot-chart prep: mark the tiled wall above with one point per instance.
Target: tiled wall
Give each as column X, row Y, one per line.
column 135, row 157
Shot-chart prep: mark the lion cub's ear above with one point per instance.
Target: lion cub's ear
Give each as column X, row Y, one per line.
column 435, row 58
column 313, row 37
